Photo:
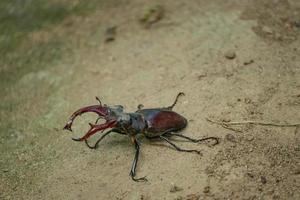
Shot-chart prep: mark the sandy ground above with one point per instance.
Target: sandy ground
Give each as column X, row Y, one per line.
column 184, row 51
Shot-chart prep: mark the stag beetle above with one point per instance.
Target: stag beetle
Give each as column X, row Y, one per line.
column 161, row 123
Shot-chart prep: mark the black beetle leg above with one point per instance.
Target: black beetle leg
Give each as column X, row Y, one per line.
column 97, row 120
column 140, row 106
column 196, row 140
column 134, row 164
column 98, row 99
column 99, row 140
column 178, row 148
column 178, row 95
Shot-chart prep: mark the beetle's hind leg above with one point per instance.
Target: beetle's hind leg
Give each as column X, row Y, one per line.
column 178, row 148
column 216, row 140
column 178, row 95
column 134, row 164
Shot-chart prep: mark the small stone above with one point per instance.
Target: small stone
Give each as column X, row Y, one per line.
column 247, row 100
column 263, row 179
column 248, row 62
column 110, row 34
column 230, row 54
column 201, row 76
column 179, row 198
column 230, row 137
column 250, row 138
column 250, row 175
column 267, row 30
column 206, row 189
column 193, row 197
column 297, row 24
column 152, row 15
column 175, row 188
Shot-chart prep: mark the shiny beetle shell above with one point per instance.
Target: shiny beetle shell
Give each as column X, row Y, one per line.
column 162, row 120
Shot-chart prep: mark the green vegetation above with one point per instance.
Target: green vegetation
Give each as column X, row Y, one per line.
column 18, row 19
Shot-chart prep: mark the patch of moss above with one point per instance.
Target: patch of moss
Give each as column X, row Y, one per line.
column 18, row 18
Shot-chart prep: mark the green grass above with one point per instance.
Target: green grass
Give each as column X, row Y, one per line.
column 21, row 17
column 18, row 18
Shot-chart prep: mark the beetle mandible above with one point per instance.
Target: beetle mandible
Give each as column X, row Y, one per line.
column 161, row 123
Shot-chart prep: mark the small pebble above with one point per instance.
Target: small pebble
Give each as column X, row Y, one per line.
column 247, row 100
column 277, row 180
column 267, row 29
column 248, row 62
column 263, row 179
column 249, row 138
column 179, row 198
column 201, row 76
column 230, row 54
column 250, row 175
column 297, row 24
column 192, row 197
column 175, row 188
column 206, row 189
column 110, row 34
column 152, row 16
column 230, row 137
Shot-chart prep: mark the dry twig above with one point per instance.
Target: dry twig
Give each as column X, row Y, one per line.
column 227, row 124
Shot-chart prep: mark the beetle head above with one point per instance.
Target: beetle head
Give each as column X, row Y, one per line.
column 109, row 114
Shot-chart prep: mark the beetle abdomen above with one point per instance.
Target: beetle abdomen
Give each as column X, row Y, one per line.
column 162, row 120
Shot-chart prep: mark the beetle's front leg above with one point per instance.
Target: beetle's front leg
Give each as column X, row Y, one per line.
column 99, row 140
column 135, row 161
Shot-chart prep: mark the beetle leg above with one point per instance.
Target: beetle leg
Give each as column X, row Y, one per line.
column 178, row 148
column 178, row 95
column 140, row 106
column 98, row 99
column 196, row 140
column 99, row 140
column 97, row 120
column 135, row 161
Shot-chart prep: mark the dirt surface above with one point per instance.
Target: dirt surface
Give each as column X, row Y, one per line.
column 234, row 60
